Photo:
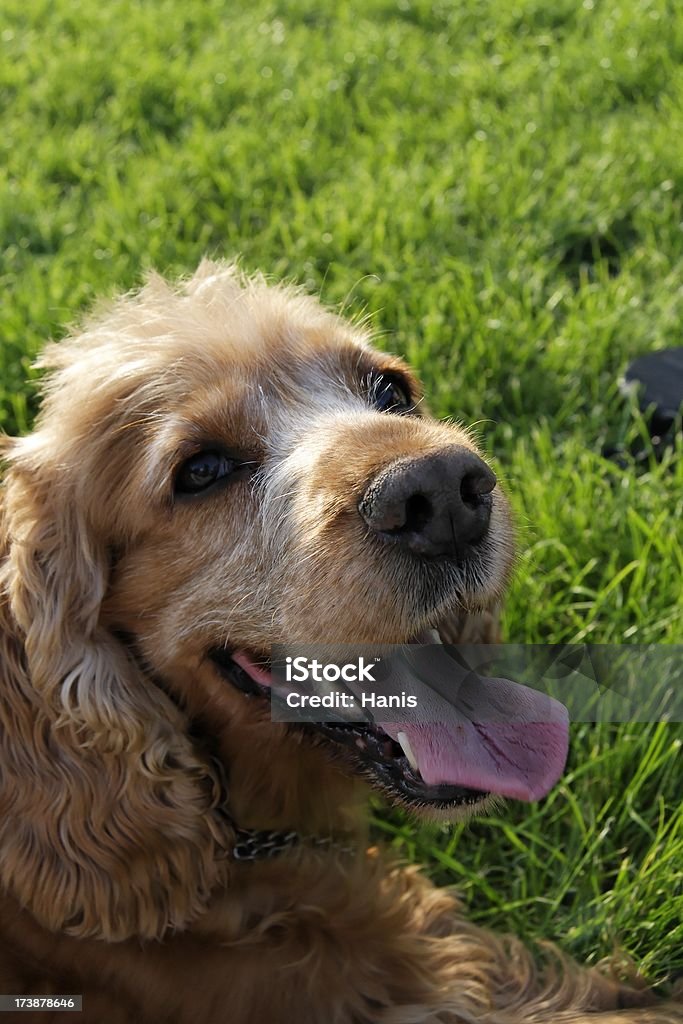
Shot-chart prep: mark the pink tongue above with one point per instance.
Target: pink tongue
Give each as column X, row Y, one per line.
column 258, row 674
column 521, row 757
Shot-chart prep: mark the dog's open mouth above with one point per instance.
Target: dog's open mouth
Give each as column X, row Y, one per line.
column 392, row 764
column 458, row 762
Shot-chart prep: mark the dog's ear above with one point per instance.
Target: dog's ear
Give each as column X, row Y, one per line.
column 108, row 820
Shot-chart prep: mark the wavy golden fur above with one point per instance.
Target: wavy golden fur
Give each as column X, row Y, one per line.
column 121, row 746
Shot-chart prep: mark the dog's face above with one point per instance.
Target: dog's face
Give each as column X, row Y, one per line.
column 276, row 480
column 256, row 473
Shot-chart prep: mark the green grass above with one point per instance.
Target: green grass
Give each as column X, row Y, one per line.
column 500, row 183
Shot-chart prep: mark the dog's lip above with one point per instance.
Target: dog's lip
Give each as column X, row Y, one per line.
column 371, row 750
column 249, row 681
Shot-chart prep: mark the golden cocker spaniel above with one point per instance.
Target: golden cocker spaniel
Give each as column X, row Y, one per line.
column 217, row 467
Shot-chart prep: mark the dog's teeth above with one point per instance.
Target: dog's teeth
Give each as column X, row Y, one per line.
column 360, row 743
column 408, row 751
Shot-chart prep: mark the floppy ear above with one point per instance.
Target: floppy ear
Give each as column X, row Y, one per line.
column 108, row 819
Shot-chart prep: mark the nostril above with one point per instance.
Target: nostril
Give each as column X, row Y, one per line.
column 475, row 485
column 419, row 511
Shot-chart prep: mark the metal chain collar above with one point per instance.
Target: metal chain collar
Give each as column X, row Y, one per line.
column 260, row 844
column 252, row 844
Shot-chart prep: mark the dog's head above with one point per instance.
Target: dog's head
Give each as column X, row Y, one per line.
column 262, row 474
column 216, row 468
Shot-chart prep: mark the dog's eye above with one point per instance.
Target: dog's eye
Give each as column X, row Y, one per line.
column 390, row 393
column 202, row 470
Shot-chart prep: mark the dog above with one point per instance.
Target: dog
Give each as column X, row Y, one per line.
column 220, row 466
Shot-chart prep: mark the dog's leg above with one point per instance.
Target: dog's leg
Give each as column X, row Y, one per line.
column 495, row 980
column 549, row 989
column 442, row 969
column 367, row 943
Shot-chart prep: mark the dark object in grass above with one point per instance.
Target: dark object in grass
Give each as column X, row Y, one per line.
column 657, row 379
column 584, row 249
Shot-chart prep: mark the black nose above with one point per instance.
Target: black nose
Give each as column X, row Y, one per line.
column 436, row 506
